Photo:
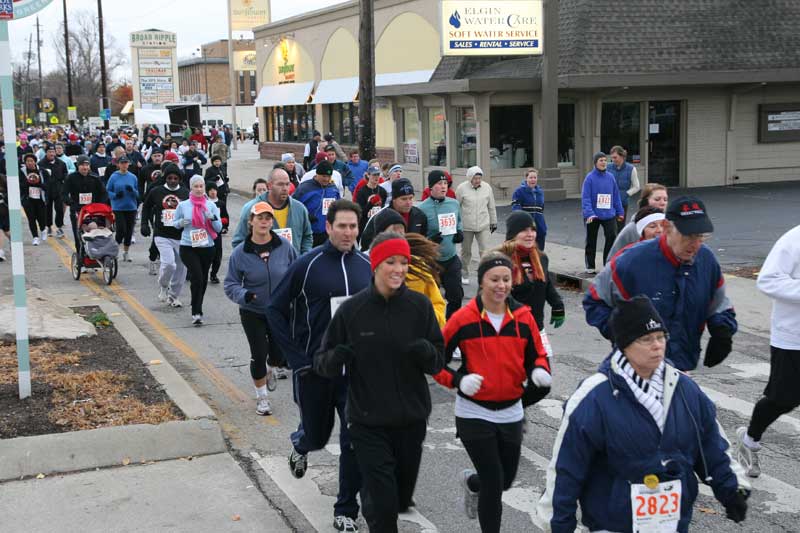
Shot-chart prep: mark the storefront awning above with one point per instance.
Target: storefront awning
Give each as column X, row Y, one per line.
column 128, row 109
column 281, row 95
column 403, row 78
column 336, row 91
column 151, row 116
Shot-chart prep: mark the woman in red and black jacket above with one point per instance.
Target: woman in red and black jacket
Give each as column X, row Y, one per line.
column 500, row 351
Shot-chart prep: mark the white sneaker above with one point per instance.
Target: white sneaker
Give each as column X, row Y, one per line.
column 197, row 320
column 163, row 294
column 280, row 373
column 590, row 271
column 153, row 269
column 133, row 240
column 173, row 301
column 36, row 241
column 747, row 457
column 465, row 281
column 2, row 255
column 272, row 379
column 125, row 258
column 60, row 233
column 263, row 407
column 44, row 235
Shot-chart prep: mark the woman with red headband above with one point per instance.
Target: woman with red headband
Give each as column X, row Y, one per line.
column 387, row 338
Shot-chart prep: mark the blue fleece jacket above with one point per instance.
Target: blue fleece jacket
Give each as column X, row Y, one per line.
column 123, row 191
column 313, row 196
column 357, row 171
column 300, row 308
column 599, row 183
column 183, row 221
column 531, row 200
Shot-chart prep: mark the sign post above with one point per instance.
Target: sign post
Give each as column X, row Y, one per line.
column 10, row 11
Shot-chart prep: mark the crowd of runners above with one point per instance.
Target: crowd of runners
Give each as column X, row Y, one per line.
column 353, row 289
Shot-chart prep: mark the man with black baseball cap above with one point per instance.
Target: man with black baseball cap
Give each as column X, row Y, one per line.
column 684, row 280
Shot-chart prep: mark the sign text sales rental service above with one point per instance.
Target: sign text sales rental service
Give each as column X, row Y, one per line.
column 485, row 28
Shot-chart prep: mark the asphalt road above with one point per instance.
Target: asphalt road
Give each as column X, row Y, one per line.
column 215, row 358
column 748, row 219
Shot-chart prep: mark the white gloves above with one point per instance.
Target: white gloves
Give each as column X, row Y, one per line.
column 186, row 222
column 541, row 377
column 470, row 384
column 207, row 214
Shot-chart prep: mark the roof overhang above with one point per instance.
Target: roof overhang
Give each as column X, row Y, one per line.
column 283, row 95
column 336, row 91
column 596, row 81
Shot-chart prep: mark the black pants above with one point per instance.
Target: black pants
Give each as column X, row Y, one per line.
column 451, row 281
column 36, row 213
column 319, row 400
column 609, row 234
column 388, row 458
column 494, row 449
column 125, row 221
column 217, row 260
column 153, row 252
column 621, row 224
column 263, row 349
column 318, row 238
column 781, row 394
column 55, row 202
column 73, row 220
column 197, row 261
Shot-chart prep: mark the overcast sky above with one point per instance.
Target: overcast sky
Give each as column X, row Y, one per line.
column 195, row 22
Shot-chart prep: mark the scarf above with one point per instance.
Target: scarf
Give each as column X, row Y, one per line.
column 518, row 273
column 649, row 393
column 198, row 215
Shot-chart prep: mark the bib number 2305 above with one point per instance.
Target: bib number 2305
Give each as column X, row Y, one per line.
column 656, row 510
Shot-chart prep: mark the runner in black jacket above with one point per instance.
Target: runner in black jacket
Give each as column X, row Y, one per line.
column 388, row 338
column 82, row 188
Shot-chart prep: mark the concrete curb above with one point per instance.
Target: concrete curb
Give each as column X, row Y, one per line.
column 104, row 447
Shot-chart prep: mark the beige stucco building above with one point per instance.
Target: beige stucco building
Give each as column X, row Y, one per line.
column 694, row 102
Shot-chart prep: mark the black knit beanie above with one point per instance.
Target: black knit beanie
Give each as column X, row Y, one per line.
column 634, row 318
column 435, row 176
column 387, row 217
column 490, row 261
column 518, row 221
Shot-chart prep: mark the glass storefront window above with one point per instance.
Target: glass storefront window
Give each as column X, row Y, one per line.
column 410, row 135
column 467, row 137
column 511, row 136
column 620, row 126
column 344, row 122
column 290, row 123
column 566, row 135
column 437, row 138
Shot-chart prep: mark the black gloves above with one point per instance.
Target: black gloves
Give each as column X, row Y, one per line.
column 719, row 345
column 737, row 508
column 129, row 188
column 492, row 228
column 458, row 237
column 145, row 229
column 344, row 353
column 249, row 297
column 418, row 346
column 119, row 194
column 436, row 237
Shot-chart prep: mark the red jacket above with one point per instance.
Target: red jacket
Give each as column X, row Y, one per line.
column 201, row 140
column 505, row 360
column 361, row 183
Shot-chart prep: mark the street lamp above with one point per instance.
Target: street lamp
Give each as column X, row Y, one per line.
column 205, row 71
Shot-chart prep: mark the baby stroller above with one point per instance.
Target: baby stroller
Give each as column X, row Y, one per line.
column 97, row 247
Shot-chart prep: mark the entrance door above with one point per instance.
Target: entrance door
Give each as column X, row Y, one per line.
column 664, row 127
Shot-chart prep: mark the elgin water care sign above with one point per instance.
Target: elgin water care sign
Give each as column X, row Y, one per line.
column 491, row 28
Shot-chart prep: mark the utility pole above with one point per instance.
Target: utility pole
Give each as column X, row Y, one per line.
column 39, row 59
column 103, row 79
column 366, row 80
column 234, row 92
column 28, row 78
column 69, row 66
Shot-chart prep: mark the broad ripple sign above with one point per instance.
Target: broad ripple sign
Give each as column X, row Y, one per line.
column 487, row 28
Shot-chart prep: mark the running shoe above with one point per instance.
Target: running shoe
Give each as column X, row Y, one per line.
column 747, row 457
column 44, row 234
column 272, row 379
column 50, row 232
column 344, row 523
column 133, row 240
column 153, row 269
column 125, row 257
column 36, row 241
column 60, row 233
column 163, row 294
column 197, row 320
column 298, row 464
column 262, row 406
column 173, row 301
column 2, row 255
column 214, row 280
column 470, row 498
column 590, row 271
column 280, row 373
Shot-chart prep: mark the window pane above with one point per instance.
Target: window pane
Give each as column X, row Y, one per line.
column 347, row 126
column 620, row 125
column 410, row 135
column 566, row 135
column 511, row 136
column 280, row 124
column 467, row 132
column 437, row 140
column 354, row 140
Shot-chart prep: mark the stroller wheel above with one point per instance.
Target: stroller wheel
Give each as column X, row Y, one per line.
column 116, row 267
column 108, row 270
column 75, row 265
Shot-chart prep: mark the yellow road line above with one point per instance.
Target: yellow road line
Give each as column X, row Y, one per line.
column 210, row 371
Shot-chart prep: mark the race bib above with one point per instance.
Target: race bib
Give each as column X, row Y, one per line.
column 199, row 237
column 337, row 301
column 372, row 212
column 34, row 193
column 447, row 224
column 167, row 217
column 84, row 198
column 326, row 204
column 656, row 510
column 546, row 343
column 286, row 233
column 603, row 201
column 101, row 171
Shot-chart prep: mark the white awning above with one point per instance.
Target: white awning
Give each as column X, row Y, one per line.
column 286, row 94
column 403, row 78
column 151, row 116
column 336, row 91
column 128, row 109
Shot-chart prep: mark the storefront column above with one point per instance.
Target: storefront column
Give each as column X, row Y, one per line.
column 322, row 119
column 449, row 132
column 397, row 117
column 422, row 142
column 481, row 103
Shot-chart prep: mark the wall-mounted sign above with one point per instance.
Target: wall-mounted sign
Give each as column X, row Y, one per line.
column 154, row 66
column 778, row 122
column 48, row 105
column 286, row 72
column 496, row 28
column 244, row 60
column 18, row 9
column 247, row 14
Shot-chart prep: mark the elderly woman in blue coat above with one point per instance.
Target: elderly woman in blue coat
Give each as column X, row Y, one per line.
column 635, row 437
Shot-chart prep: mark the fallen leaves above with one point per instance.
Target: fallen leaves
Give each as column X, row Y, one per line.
column 39, row 476
column 126, row 461
column 154, row 362
column 236, row 518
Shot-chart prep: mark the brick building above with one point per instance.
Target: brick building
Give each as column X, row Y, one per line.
column 209, row 68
